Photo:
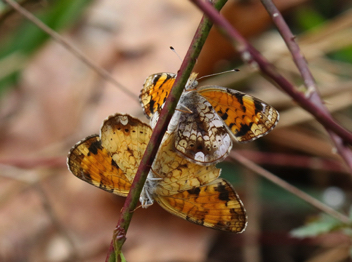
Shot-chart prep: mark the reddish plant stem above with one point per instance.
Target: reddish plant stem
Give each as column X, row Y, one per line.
column 28, row 163
column 294, row 161
column 309, row 82
column 289, row 39
column 119, row 236
column 250, row 55
column 260, row 158
column 342, row 149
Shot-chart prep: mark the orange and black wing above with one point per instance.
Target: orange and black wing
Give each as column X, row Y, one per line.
column 215, row 205
column 247, row 117
column 125, row 138
column 156, row 89
column 174, row 173
column 89, row 161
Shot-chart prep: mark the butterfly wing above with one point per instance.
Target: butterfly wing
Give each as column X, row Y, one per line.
column 201, row 135
column 125, row 138
column 156, row 89
column 175, row 173
column 247, row 117
column 215, row 205
column 92, row 163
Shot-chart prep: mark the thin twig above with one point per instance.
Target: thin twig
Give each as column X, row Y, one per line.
column 250, row 55
column 309, row 82
column 295, row 161
column 71, row 48
column 8, row 11
column 32, row 179
column 235, row 156
column 28, row 163
column 119, row 236
column 289, row 39
column 260, row 158
column 56, row 222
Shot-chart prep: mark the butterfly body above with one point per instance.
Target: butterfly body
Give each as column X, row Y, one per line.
column 200, row 134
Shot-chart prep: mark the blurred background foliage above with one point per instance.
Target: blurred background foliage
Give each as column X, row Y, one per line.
column 20, row 39
column 49, row 100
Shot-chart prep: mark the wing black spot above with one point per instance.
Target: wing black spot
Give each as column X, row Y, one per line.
column 166, row 95
column 224, row 194
column 243, row 130
column 94, row 147
column 151, row 106
column 156, row 79
column 258, row 106
column 239, row 97
column 194, row 191
column 114, row 163
column 224, row 116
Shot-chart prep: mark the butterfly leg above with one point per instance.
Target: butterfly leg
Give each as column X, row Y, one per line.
column 151, row 177
column 186, row 110
column 145, row 198
column 154, row 178
column 135, row 208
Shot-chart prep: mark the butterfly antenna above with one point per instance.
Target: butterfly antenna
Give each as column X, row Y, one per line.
column 173, row 50
column 224, row 72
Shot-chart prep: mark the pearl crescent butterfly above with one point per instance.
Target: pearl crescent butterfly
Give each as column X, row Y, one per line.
column 193, row 192
column 207, row 117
